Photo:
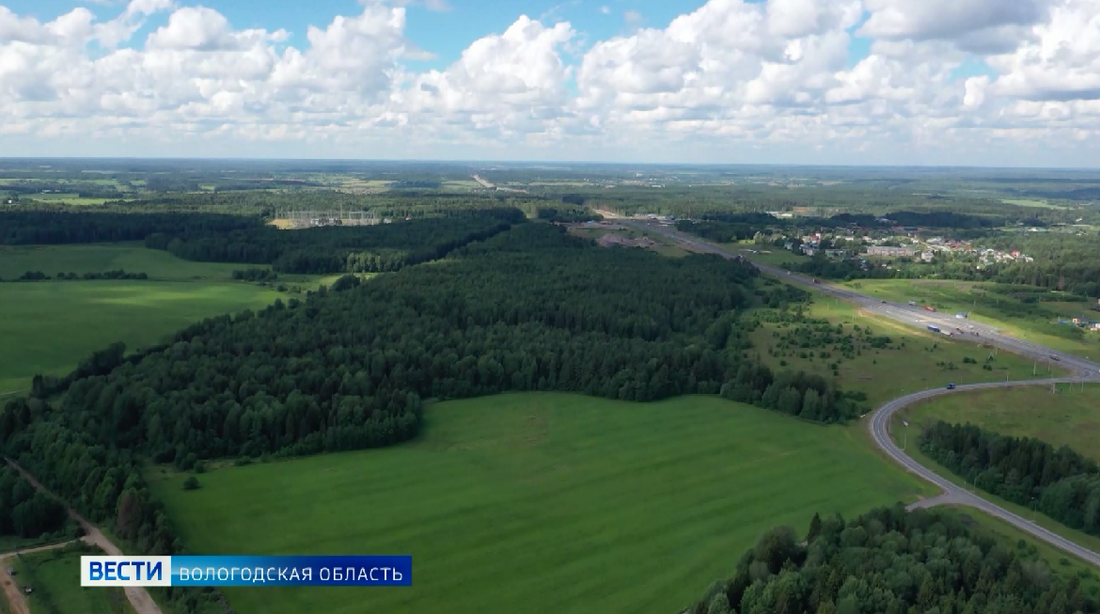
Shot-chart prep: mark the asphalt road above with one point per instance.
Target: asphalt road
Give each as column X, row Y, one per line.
column 879, row 424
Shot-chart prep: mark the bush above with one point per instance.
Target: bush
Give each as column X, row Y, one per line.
column 191, row 483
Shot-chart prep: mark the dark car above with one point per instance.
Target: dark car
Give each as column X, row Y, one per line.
column 951, row 386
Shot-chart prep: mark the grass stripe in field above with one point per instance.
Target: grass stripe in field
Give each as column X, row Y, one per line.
column 541, row 503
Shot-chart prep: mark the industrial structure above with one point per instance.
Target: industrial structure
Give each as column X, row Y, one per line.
column 332, row 217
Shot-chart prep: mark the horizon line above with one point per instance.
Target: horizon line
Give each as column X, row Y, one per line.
column 550, row 162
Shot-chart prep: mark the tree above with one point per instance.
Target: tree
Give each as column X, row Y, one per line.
column 815, row 528
column 191, row 483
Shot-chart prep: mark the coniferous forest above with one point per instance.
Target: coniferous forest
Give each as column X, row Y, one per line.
column 890, row 561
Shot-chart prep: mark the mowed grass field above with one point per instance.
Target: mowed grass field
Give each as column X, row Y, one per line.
column 539, row 503
column 55, row 578
column 950, row 296
column 885, row 374
column 98, row 258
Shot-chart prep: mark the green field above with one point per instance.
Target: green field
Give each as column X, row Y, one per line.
column 888, row 373
column 539, row 503
column 55, row 577
column 132, row 257
column 1069, row 417
column 950, row 296
column 48, row 327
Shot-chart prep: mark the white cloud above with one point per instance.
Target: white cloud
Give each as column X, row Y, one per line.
column 729, row 79
column 979, row 25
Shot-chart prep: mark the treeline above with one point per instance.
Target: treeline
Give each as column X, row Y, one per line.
column 46, row 227
column 255, row 274
column 1057, row 482
column 566, row 214
column 113, row 274
column 25, row 511
column 890, row 561
column 719, row 232
column 340, row 249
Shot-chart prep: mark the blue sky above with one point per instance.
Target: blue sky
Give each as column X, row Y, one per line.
column 444, row 33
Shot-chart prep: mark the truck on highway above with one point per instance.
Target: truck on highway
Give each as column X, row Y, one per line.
column 929, row 308
column 934, row 329
column 816, row 281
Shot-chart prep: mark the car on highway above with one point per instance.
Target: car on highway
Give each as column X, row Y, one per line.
column 883, row 302
column 951, row 386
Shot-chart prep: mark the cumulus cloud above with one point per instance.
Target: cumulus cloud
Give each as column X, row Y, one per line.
column 731, row 75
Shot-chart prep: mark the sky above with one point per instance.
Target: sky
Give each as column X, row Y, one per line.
column 913, row 82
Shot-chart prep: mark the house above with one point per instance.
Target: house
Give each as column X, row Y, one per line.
column 808, row 249
column 927, row 256
column 836, row 253
column 893, row 252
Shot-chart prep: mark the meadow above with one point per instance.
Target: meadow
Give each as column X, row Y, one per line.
column 55, row 577
column 1070, row 416
column 951, row 296
column 98, row 258
column 926, row 361
column 48, row 327
column 540, row 503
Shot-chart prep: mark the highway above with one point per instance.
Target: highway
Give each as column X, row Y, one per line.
column 879, row 424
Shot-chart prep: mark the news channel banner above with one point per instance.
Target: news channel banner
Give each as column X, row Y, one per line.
column 333, row 570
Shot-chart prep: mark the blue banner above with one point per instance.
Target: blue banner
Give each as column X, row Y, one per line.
column 335, row 570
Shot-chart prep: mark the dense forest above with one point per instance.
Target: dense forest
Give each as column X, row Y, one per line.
column 340, row 249
column 26, row 512
column 890, row 561
column 208, row 237
column 1057, row 482
column 54, row 227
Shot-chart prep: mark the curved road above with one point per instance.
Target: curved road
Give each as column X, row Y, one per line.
column 879, row 424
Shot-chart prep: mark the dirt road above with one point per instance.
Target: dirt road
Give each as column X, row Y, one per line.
column 11, row 589
column 139, row 598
